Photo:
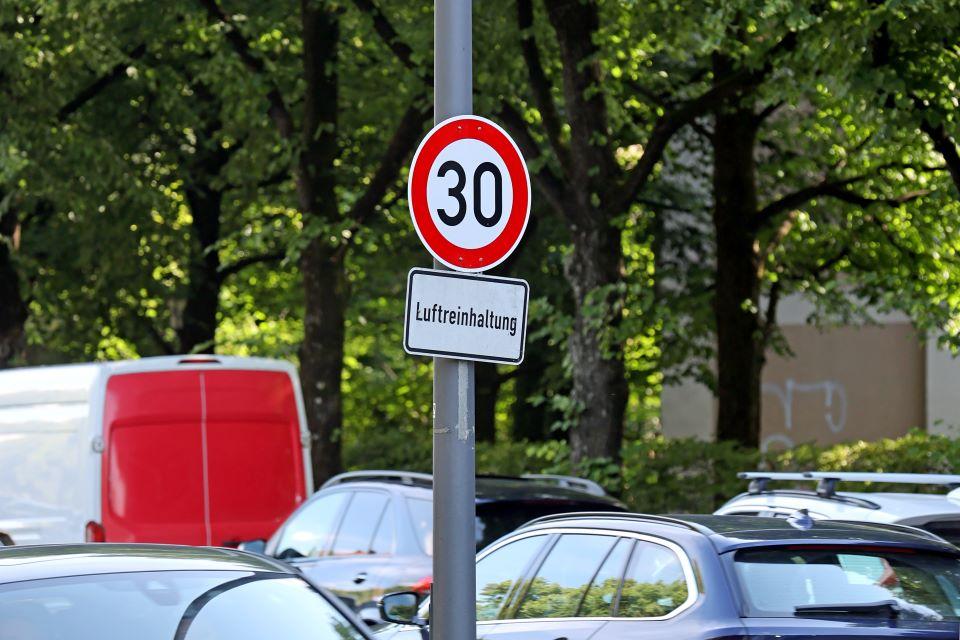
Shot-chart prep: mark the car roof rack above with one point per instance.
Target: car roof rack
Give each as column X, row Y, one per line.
column 568, row 482
column 411, row 478
column 827, row 480
column 619, row 515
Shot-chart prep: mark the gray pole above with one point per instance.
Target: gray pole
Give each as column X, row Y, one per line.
column 453, row 612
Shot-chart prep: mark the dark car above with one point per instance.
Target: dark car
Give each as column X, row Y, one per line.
column 366, row 533
column 161, row 592
column 709, row 577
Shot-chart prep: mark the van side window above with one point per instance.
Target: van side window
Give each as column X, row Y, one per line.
column 308, row 533
column 359, row 523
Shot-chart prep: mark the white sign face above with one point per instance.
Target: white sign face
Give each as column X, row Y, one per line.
column 452, row 315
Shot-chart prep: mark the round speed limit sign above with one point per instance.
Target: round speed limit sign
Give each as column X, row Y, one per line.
column 469, row 193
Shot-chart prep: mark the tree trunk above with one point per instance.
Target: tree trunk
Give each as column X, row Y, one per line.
column 199, row 324
column 321, row 355
column 531, row 422
column 488, row 390
column 13, row 309
column 325, row 288
column 737, row 294
column 596, row 357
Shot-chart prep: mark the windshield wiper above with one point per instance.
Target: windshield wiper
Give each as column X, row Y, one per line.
column 884, row 608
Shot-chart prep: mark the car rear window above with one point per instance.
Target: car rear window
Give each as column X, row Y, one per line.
column 165, row 605
column 949, row 530
column 824, row 581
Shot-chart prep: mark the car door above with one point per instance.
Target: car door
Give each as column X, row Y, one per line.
column 350, row 566
column 572, row 592
column 499, row 575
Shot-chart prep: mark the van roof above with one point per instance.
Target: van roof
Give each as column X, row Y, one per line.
column 73, row 382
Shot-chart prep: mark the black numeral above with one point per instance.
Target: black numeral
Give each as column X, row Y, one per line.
column 456, row 192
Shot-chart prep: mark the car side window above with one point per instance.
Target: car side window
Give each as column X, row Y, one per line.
column 654, row 584
column 359, row 523
column 565, row 575
column 383, row 539
column 308, row 532
column 269, row 608
column 602, row 592
column 498, row 572
column 421, row 517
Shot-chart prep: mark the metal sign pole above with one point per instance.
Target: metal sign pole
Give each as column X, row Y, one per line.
column 453, row 614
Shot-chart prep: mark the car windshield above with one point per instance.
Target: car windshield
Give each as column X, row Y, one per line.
column 494, row 519
column 170, row 605
column 830, row 580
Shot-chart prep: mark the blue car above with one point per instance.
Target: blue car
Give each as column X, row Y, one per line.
column 610, row 576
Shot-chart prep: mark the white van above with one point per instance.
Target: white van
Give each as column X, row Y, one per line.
column 179, row 449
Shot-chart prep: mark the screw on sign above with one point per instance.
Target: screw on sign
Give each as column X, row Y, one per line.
column 469, row 193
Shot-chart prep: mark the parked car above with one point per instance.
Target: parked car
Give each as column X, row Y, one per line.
column 937, row 513
column 626, row 576
column 154, row 450
column 368, row 532
column 158, row 592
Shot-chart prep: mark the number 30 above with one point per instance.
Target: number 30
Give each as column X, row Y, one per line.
column 456, row 192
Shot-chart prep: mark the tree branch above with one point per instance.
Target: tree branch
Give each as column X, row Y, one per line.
column 115, row 73
column 551, row 187
column 945, row 147
column 390, row 37
column 278, row 109
column 539, row 83
column 791, row 201
column 770, row 316
column 685, row 112
column 228, row 270
column 404, row 139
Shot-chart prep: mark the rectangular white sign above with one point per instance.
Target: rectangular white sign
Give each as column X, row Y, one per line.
column 466, row 317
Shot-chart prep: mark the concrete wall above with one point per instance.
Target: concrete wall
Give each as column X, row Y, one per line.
column 842, row 383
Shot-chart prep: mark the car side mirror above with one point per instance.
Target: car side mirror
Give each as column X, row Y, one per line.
column 253, row 546
column 400, row 608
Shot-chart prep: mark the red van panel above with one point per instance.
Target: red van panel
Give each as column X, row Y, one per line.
column 200, row 457
column 254, row 455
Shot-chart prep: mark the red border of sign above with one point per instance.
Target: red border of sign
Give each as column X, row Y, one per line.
column 446, row 252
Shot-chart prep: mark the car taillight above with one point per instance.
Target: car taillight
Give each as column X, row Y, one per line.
column 422, row 587
column 94, row 532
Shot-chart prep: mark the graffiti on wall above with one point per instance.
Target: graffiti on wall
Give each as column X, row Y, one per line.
column 834, row 398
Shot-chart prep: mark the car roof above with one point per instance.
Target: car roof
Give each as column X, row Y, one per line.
column 877, row 507
column 37, row 562
column 728, row 533
column 491, row 489
column 498, row 489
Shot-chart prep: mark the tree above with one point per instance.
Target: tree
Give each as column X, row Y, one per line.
column 836, row 180
column 598, row 148
column 316, row 143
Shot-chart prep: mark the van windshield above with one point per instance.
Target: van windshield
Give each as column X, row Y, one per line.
column 825, row 581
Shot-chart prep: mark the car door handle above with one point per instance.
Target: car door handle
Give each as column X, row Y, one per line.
column 360, row 578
